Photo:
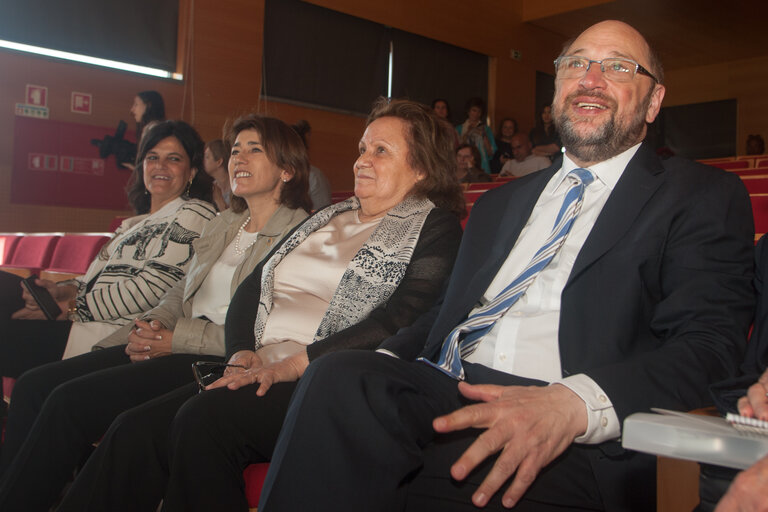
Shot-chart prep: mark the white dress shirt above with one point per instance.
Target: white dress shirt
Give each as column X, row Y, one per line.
column 524, row 341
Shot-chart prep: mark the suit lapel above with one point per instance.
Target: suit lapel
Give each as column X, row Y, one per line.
column 638, row 183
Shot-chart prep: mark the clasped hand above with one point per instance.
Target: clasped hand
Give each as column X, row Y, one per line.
column 287, row 370
column 148, row 340
column 530, row 426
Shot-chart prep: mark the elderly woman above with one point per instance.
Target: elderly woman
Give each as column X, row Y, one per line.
column 352, row 275
column 148, row 254
column 60, row 409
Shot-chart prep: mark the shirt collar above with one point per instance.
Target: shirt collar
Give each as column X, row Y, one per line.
column 608, row 171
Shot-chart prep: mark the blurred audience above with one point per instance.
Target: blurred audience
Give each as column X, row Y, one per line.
column 544, row 136
column 467, row 171
column 319, row 187
column 216, row 162
column 755, row 145
column 475, row 131
column 524, row 161
column 507, row 128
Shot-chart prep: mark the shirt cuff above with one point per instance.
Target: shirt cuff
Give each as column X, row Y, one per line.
column 602, row 421
column 385, row 351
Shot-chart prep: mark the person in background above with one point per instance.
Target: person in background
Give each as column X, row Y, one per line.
column 467, row 171
column 147, row 256
column 215, row 162
column 441, row 109
column 507, row 128
column 148, row 108
column 319, row 187
column 474, row 131
column 524, row 161
column 755, row 144
column 544, row 136
column 60, row 409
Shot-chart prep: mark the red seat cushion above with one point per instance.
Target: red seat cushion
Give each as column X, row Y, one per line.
column 254, row 476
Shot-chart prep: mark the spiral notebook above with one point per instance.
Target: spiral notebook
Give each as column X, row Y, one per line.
column 745, row 424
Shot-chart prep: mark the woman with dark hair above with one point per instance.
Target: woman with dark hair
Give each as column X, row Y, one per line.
column 441, row 109
column 544, row 136
column 349, row 277
column 507, row 130
column 59, row 409
column 148, row 254
column 474, row 131
column 215, row 162
column 148, row 108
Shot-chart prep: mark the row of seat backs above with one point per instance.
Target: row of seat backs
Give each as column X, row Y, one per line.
column 59, row 256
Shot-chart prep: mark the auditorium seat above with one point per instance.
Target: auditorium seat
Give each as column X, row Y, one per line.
column 760, row 213
column 339, row 196
column 73, row 255
column 7, row 247
column 33, row 254
column 485, row 186
column 756, row 184
column 116, row 223
column 750, row 172
column 733, row 164
column 254, row 475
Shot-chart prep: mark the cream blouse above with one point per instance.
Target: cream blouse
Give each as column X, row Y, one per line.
column 305, row 282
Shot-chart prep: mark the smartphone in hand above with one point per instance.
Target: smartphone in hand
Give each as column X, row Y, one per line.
column 43, row 298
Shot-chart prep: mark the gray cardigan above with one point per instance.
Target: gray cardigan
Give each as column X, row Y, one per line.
column 197, row 335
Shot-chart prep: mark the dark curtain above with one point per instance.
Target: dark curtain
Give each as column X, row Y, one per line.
column 699, row 130
column 139, row 32
column 322, row 57
column 425, row 69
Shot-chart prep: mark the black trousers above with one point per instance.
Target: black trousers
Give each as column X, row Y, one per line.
column 358, row 436
column 60, row 409
column 199, row 452
column 25, row 344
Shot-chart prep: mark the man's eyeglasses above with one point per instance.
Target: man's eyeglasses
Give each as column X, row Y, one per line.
column 208, row 372
column 614, row 69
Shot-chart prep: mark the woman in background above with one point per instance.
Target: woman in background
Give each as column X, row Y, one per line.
column 147, row 109
column 60, row 409
column 474, row 131
column 544, row 136
column 507, row 130
column 216, row 162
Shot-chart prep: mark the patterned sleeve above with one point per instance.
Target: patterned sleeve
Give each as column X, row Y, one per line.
column 145, row 265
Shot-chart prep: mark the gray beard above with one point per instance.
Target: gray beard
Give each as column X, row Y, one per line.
column 604, row 143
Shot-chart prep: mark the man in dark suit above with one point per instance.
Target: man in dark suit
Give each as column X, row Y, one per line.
column 645, row 303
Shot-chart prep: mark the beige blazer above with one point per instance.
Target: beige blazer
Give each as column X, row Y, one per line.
column 197, row 335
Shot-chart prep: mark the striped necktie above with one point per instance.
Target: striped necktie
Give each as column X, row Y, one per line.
column 464, row 338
